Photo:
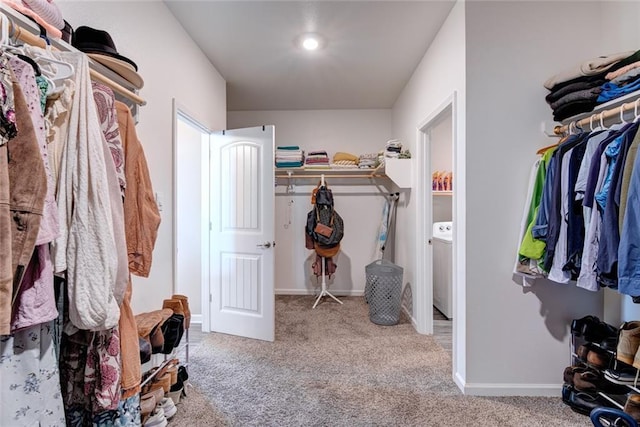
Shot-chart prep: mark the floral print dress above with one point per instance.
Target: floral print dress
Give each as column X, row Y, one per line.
column 30, row 381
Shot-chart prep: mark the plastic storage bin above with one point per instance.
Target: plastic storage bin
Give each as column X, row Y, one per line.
column 383, row 291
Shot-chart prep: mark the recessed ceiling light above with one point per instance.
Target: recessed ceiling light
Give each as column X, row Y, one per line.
column 310, row 41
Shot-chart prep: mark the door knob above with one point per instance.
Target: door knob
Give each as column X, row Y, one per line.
column 266, row 245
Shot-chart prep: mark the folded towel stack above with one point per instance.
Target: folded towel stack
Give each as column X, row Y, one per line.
column 289, row 156
column 369, row 161
column 393, row 148
column 318, row 159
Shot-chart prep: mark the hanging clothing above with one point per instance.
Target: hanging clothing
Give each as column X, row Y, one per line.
column 526, row 267
column 30, row 392
column 628, row 250
column 86, row 248
column 27, row 189
column 141, row 214
column 141, row 221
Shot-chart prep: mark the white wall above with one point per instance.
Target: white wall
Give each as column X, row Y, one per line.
column 517, row 339
column 172, row 67
column 192, row 219
column 353, row 131
column 440, row 73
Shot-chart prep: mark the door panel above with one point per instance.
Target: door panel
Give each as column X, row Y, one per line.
column 242, row 233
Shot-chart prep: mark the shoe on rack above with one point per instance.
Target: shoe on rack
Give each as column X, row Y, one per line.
column 183, row 377
column 632, row 406
column 578, row 326
column 570, row 371
column 594, row 381
column 628, row 342
column 598, row 358
column 157, row 419
column 600, row 333
column 147, row 405
column 176, row 392
column 168, row 407
column 583, row 402
column 185, row 305
column 582, row 352
column 624, row 376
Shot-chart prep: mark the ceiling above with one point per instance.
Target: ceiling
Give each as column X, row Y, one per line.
column 372, row 49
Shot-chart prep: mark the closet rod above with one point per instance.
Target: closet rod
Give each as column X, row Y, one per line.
column 601, row 116
column 369, row 175
column 29, row 38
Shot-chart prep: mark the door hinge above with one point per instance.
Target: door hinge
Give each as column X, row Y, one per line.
column 210, row 226
column 210, row 298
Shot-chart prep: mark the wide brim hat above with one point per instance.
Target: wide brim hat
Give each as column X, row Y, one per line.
column 99, row 46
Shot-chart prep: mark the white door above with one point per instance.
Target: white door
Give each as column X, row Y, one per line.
column 242, row 233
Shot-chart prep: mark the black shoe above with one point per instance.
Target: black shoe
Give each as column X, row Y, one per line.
column 580, row 326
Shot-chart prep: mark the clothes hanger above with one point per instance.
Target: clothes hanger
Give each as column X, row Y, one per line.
column 622, row 120
column 573, row 127
column 601, row 115
column 63, row 71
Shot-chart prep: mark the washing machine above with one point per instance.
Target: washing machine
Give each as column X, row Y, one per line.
column 442, row 267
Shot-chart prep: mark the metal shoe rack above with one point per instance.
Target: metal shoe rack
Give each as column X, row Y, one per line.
column 575, row 359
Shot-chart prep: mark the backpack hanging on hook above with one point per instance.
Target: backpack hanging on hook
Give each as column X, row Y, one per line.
column 325, row 226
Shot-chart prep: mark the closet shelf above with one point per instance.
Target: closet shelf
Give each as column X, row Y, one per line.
column 20, row 28
column 442, row 193
column 334, row 173
column 608, row 109
column 397, row 170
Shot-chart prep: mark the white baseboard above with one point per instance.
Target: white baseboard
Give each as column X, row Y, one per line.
column 488, row 389
column 336, row 292
column 410, row 316
column 196, row 318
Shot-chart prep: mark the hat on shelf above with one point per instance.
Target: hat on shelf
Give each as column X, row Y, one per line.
column 99, row 45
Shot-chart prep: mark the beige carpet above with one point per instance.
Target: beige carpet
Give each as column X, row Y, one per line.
column 330, row 366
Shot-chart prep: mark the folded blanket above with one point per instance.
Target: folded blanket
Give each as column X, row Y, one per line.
column 573, row 87
column 586, row 94
column 587, row 68
column 572, row 108
column 620, row 71
column 344, row 156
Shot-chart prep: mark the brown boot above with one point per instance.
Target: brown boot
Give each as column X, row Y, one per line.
column 632, row 407
column 185, row 305
column 175, row 305
column 628, row 342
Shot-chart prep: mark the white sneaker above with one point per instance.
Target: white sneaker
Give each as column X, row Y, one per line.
column 168, row 407
column 157, row 419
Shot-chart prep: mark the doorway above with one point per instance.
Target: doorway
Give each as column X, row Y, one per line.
column 191, row 212
column 436, row 151
column 440, row 136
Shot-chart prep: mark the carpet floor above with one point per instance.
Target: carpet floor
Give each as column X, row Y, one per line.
column 331, row 366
